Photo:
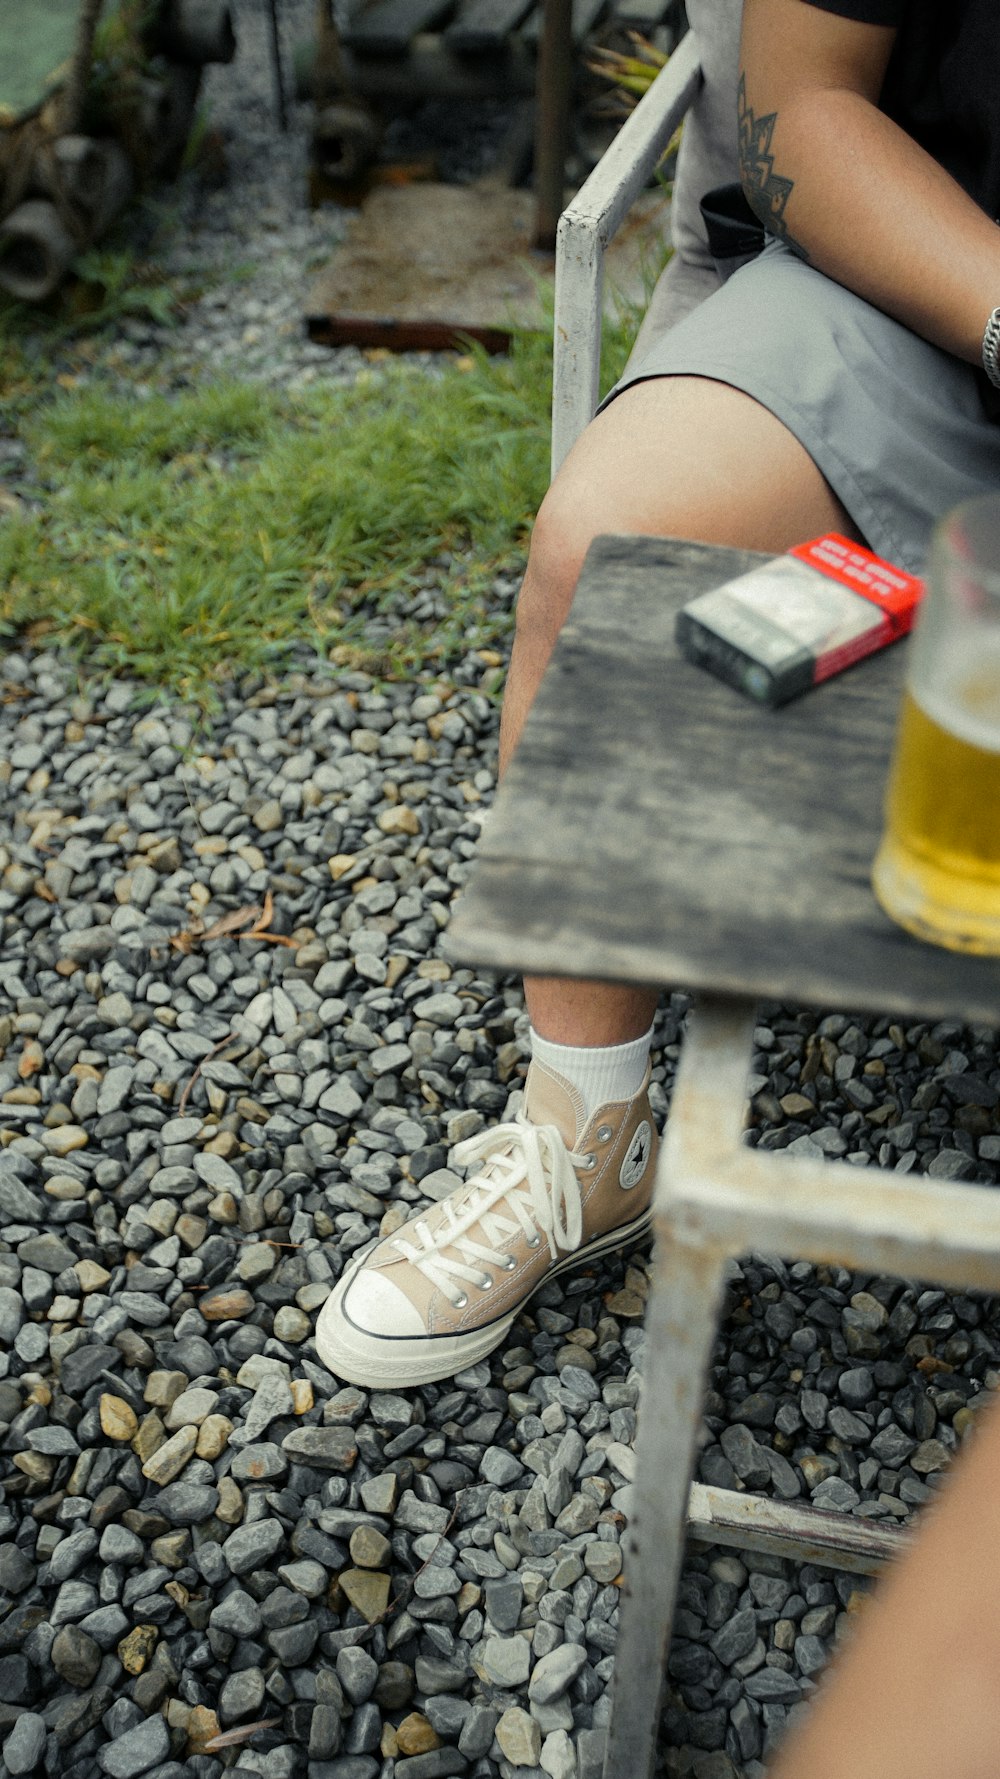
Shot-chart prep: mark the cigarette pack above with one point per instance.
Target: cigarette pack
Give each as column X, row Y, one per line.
column 795, row 621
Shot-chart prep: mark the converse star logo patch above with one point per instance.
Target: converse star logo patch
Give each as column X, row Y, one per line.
column 636, row 1157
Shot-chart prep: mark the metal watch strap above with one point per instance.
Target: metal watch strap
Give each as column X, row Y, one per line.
column 991, row 348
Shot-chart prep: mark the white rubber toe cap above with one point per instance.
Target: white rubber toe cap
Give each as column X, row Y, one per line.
column 377, row 1306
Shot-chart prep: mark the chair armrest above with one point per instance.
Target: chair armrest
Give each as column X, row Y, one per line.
column 586, row 227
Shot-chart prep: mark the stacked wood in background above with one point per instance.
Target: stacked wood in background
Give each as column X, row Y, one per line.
column 119, row 111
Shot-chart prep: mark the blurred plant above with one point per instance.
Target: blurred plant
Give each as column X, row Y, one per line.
column 633, row 75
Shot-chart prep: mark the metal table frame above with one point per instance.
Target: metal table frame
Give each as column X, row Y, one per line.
column 716, row 1199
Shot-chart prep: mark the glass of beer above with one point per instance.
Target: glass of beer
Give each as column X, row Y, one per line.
column 937, row 870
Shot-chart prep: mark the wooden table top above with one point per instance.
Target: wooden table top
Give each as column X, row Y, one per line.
column 657, row 826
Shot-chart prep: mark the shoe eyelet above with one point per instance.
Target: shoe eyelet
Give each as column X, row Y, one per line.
column 460, row 1302
column 605, row 1133
column 589, row 1163
column 510, row 1263
column 534, row 1241
column 485, row 1283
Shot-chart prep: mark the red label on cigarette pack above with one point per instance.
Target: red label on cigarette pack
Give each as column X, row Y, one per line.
column 800, row 618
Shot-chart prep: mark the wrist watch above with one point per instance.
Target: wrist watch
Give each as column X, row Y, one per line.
column 991, row 349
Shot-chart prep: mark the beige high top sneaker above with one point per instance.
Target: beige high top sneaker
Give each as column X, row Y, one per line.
column 549, row 1192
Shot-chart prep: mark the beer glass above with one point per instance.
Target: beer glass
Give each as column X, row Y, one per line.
column 937, row 870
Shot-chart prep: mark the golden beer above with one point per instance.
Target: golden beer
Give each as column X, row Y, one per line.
column 938, row 868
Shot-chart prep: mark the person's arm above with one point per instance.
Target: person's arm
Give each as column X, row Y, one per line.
column 827, row 171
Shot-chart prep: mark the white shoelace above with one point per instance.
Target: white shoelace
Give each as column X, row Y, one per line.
column 529, row 1185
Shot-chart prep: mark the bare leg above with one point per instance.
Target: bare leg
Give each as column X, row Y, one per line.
column 916, row 1695
column 672, row 457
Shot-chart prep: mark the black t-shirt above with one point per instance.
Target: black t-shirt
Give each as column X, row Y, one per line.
column 943, row 82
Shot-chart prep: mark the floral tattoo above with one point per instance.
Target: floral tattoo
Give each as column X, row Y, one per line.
column 767, row 192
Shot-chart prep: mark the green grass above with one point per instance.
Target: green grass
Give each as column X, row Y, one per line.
column 188, row 536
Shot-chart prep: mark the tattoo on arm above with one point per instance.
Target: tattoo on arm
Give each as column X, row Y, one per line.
column 767, row 192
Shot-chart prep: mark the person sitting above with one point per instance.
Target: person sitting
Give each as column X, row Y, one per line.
column 842, row 381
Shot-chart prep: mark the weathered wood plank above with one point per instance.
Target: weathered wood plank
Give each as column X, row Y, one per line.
column 656, row 826
column 782, row 1529
column 484, row 27
column 387, row 28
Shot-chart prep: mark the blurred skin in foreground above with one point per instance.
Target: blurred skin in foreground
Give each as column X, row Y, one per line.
column 916, row 1692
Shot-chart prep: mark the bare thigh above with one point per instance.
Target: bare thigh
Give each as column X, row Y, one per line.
column 686, row 457
column 671, row 457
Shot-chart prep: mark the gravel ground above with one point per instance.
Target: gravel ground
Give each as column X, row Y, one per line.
column 199, row 1529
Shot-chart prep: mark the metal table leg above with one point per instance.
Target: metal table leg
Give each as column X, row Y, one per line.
column 716, row 1198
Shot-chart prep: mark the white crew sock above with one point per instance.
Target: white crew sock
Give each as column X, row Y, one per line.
column 601, row 1076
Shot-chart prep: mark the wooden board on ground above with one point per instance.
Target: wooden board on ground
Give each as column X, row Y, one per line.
column 424, row 265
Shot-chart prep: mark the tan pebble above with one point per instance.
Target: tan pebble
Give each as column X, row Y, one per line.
column 169, row 1459
column 396, row 967
column 92, row 1277
column 963, row 1420
column 164, row 1387
column 401, row 820
column 63, row 1309
column 226, row 1303
column 31, row 1059
column 393, row 1218
column 366, row 1589
column 39, row 1396
column 230, row 1508
column 23, row 1096
column 162, row 1216
column 468, row 1598
column 213, row 1436
column 223, row 1208
column 340, row 864
column 519, row 1737
column 135, row 1650
column 65, row 1139
column 178, row 1714
column 433, row 969
column 388, row 1743
column 226, row 1143
column 302, row 1395
column 369, row 1547
column 202, row 1728
column 34, row 1466
column 252, row 856
column 191, row 1230
column 626, row 1304
column 171, row 1549
column 416, row 1736
column 65, row 1190
column 118, row 1420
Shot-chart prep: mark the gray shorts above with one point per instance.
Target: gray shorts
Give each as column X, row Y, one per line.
column 898, row 427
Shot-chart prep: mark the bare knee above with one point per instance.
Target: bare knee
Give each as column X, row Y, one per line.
column 563, row 532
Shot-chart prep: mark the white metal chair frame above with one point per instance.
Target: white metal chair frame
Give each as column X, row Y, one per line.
column 587, row 226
